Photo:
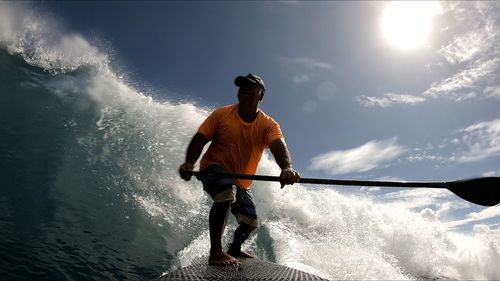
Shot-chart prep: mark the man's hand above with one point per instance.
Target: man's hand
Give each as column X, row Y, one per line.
column 186, row 171
column 289, row 176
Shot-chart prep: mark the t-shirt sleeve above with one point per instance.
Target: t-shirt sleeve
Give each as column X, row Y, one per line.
column 209, row 127
column 273, row 132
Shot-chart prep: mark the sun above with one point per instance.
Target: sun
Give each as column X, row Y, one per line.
column 408, row 24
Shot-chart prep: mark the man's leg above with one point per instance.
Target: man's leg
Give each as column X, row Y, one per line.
column 246, row 215
column 217, row 223
column 240, row 235
column 223, row 192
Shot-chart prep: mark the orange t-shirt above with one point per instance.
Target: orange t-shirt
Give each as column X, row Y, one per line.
column 236, row 144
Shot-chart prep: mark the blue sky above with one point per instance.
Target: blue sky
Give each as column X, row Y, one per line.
column 355, row 98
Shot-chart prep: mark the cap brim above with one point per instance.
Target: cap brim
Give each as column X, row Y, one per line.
column 242, row 81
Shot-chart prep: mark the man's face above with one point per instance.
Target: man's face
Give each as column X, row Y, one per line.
column 250, row 96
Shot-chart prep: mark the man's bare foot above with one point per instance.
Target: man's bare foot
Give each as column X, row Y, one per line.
column 223, row 259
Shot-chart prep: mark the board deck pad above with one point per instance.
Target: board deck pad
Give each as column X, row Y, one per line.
column 251, row 269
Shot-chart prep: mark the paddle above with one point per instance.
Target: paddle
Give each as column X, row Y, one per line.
column 482, row 191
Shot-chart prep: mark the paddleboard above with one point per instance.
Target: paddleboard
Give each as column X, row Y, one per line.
column 250, row 270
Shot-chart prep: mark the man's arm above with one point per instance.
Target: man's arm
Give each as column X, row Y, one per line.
column 282, row 156
column 193, row 153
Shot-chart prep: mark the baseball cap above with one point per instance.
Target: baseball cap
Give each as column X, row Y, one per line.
column 249, row 80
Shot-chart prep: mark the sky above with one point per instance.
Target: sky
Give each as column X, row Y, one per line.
column 362, row 90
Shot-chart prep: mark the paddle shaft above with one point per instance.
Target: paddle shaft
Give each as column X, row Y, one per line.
column 336, row 181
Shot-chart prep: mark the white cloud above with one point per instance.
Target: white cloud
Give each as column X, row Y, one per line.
column 427, row 153
column 305, row 63
column 474, row 47
column 424, row 157
column 378, row 188
column 489, row 227
column 432, row 203
column 302, row 69
column 389, row 99
column 467, row 80
column 389, row 178
column 491, row 174
column 492, row 91
column 367, row 157
column 487, row 213
column 418, row 197
column 476, row 26
column 471, row 144
column 464, row 47
column 481, row 141
column 459, row 87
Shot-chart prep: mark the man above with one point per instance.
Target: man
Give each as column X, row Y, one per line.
column 239, row 134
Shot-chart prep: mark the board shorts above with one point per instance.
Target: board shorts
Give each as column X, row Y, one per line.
column 225, row 189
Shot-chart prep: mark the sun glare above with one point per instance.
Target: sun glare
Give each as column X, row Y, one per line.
column 408, row 24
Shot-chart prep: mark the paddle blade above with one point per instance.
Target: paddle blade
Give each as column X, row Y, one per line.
column 481, row 191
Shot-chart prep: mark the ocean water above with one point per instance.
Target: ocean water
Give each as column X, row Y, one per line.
column 89, row 187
